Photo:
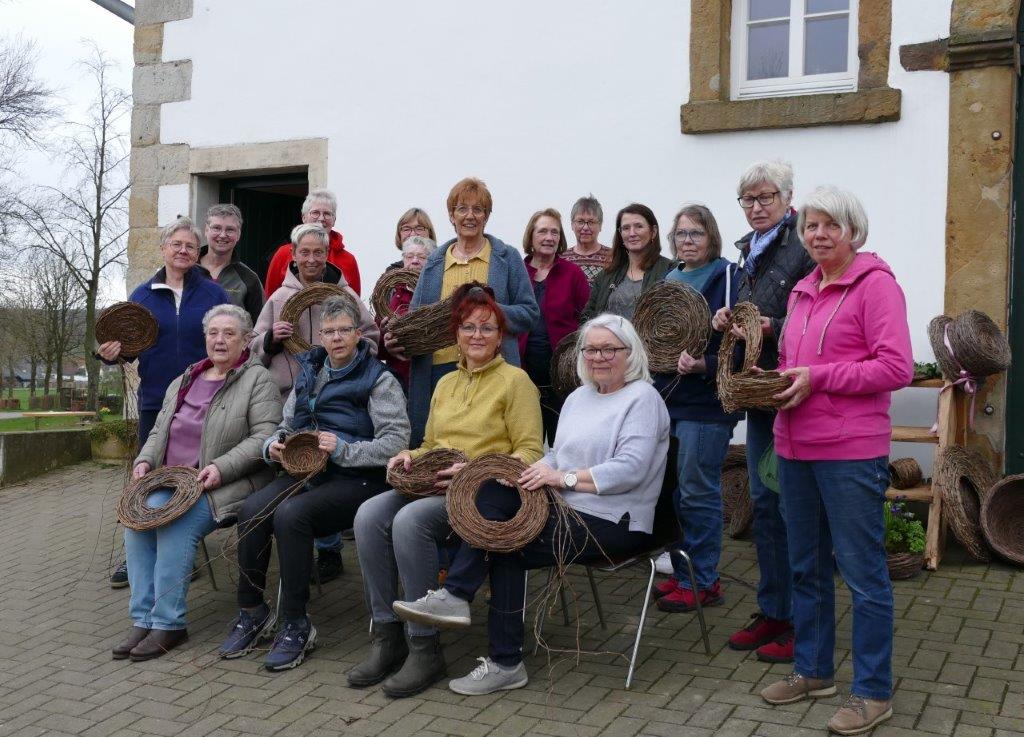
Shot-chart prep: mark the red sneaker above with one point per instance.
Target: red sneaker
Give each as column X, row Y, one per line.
column 665, row 588
column 779, row 650
column 760, row 631
column 683, row 600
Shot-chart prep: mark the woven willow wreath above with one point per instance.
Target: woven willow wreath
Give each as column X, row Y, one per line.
column 671, row 318
column 135, row 514
column 301, row 455
column 425, row 329
column 131, row 324
column 976, row 345
column 380, row 300
column 301, row 301
column 419, row 480
column 564, row 378
column 496, row 537
column 746, row 389
column 965, row 477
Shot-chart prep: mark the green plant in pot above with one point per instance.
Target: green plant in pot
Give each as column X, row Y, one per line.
column 904, row 540
column 113, row 440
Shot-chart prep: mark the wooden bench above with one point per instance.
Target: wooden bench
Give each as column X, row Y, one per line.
column 85, row 416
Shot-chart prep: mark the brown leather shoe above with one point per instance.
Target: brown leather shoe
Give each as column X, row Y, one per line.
column 795, row 687
column 137, row 635
column 858, row 715
column 157, row 643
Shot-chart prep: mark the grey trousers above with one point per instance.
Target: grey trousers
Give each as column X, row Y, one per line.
column 398, row 538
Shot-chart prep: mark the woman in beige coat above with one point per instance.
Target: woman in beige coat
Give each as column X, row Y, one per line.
column 215, row 417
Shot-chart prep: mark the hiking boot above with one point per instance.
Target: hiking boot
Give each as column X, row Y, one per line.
column 296, row 638
column 779, row 650
column 437, row 609
column 329, row 565
column 795, row 687
column 759, row 631
column 489, row 677
column 250, row 627
column 683, row 600
column 665, row 588
column 122, row 650
column 423, row 667
column 387, row 653
column 119, row 578
column 858, row 714
column 157, row 643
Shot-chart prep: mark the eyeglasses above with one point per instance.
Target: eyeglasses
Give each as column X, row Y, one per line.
column 337, row 332
column 317, row 214
column 682, row 236
column 485, row 330
column 607, row 352
column 417, row 229
column 182, row 246
column 477, row 210
column 586, row 223
column 230, row 230
column 765, row 198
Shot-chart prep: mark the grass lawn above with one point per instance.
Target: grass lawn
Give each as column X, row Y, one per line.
column 46, row 423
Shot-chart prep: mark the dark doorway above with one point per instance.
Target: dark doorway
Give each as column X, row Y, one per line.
column 271, row 206
column 1015, row 376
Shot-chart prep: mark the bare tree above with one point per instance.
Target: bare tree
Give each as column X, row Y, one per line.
column 84, row 223
column 25, row 103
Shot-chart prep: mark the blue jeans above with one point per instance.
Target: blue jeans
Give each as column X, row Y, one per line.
column 330, row 542
column 160, row 564
column 698, row 496
column 775, row 585
column 837, row 505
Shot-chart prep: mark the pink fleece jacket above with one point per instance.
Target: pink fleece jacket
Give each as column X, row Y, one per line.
column 853, row 335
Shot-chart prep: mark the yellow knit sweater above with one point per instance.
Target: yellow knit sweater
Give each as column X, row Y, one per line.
column 492, row 409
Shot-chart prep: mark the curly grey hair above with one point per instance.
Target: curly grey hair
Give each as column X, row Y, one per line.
column 242, row 317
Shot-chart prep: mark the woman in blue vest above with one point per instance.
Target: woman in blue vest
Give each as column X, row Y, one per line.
column 357, row 407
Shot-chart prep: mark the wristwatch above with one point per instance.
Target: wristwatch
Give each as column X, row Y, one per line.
column 570, row 480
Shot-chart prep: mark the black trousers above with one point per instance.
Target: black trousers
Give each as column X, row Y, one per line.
column 325, row 508
column 581, row 543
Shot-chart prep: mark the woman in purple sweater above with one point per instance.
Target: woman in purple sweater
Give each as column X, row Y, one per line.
column 845, row 346
column 562, row 290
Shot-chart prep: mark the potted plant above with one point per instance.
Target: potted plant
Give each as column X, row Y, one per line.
column 113, row 440
column 904, row 540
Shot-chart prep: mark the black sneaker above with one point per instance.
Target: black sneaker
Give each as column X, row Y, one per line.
column 119, row 578
column 246, row 632
column 293, row 641
column 328, row 565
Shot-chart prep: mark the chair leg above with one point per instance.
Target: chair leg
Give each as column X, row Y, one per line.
column 277, row 606
column 526, row 589
column 597, row 597
column 696, row 597
column 209, row 564
column 640, row 626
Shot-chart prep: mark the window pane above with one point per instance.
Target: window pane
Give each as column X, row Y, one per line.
column 827, row 6
column 827, row 45
column 764, row 9
column 768, row 51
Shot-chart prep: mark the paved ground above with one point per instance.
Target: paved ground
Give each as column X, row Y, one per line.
column 959, row 663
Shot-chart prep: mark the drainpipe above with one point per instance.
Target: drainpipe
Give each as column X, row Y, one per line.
column 124, row 11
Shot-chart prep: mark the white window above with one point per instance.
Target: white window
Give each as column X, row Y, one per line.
column 793, row 47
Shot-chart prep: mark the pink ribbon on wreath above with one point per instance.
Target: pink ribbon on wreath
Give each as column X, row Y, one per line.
column 965, row 380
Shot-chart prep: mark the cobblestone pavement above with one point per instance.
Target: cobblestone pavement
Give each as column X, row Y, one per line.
column 958, row 663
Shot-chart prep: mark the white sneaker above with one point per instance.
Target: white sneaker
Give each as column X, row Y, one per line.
column 663, row 564
column 436, row 609
column 489, row 677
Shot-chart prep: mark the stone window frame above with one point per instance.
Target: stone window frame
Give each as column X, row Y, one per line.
column 711, row 109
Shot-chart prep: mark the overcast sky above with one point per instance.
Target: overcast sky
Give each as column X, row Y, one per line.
column 58, row 28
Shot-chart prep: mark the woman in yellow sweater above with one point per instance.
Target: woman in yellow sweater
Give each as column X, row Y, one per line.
column 485, row 406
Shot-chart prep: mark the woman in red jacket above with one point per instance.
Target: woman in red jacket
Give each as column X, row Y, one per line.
column 562, row 291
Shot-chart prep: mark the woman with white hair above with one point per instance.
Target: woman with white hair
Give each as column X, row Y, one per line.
column 416, row 250
column 772, row 260
column 846, row 348
column 215, row 417
column 608, row 461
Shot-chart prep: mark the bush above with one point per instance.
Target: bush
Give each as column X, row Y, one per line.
column 903, row 533
column 124, row 430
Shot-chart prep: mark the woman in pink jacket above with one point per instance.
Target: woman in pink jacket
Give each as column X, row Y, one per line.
column 845, row 347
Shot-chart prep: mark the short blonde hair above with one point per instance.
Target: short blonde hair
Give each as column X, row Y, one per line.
column 180, row 223
column 636, row 361
column 841, row 206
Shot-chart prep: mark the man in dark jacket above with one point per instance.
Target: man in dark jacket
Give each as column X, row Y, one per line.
column 773, row 260
column 219, row 261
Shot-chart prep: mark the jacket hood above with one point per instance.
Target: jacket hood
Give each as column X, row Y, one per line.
column 332, row 275
column 862, row 265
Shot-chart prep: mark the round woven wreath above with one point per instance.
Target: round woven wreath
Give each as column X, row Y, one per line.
column 301, row 301
column 904, row 473
column 135, row 514
column 564, row 378
column 746, row 389
column 965, row 477
column 737, row 507
column 425, row 329
column 421, row 477
column 976, row 345
column 1002, row 518
column 494, row 536
column 131, row 324
column 671, row 318
column 380, row 300
column 301, row 455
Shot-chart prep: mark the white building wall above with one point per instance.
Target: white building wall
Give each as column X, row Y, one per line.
column 546, row 101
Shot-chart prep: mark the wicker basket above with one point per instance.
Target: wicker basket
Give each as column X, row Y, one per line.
column 1002, row 518
column 904, row 565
